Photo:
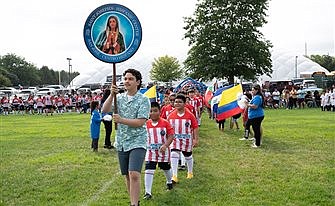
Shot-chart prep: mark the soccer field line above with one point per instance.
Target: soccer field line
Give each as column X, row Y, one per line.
column 102, row 190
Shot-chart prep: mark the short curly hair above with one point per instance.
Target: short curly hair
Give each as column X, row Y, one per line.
column 136, row 74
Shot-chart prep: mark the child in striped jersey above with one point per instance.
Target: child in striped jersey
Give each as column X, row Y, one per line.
column 186, row 136
column 160, row 136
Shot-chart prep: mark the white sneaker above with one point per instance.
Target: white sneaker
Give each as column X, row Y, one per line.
column 254, row 146
column 243, row 138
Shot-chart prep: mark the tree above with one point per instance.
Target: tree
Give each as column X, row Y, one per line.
column 18, row 70
column 4, row 81
column 165, row 69
column 225, row 40
column 326, row 61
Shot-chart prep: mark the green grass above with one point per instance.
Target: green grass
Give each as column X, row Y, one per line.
column 48, row 161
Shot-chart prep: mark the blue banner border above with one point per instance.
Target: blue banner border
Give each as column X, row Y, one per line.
column 137, row 32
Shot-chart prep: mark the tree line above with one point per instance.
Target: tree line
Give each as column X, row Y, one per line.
column 15, row 70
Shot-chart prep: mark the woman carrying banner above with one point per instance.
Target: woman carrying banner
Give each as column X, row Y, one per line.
column 256, row 113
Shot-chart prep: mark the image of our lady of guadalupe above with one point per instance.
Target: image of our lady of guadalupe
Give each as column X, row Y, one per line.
column 110, row 40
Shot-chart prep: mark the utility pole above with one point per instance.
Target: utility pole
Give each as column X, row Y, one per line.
column 296, row 66
column 69, row 59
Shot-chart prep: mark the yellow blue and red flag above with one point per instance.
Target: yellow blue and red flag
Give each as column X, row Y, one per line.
column 229, row 102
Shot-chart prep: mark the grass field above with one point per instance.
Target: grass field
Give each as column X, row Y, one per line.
column 48, row 161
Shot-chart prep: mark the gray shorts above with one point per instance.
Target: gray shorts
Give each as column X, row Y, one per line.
column 131, row 160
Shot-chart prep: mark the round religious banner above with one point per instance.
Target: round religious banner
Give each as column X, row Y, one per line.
column 112, row 33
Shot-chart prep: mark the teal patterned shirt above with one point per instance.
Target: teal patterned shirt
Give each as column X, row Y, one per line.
column 138, row 107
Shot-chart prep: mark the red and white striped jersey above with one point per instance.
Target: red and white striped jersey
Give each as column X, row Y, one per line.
column 30, row 101
column 39, row 102
column 157, row 136
column 183, row 129
column 16, row 101
column 97, row 98
column 196, row 104
column 47, row 100
column 166, row 110
column 59, row 101
column 5, row 102
column 201, row 100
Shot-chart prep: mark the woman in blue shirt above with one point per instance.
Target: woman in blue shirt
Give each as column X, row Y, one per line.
column 256, row 113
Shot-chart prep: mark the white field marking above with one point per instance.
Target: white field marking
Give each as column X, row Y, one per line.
column 102, row 190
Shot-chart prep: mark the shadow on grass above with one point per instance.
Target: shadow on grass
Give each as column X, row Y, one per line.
column 277, row 146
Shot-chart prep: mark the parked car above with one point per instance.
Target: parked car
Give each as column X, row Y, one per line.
column 44, row 91
column 312, row 90
column 2, row 94
column 59, row 88
column 83, row 90
column 27, row 91
column 34, row 88
column 98, row 91
column 9, row 91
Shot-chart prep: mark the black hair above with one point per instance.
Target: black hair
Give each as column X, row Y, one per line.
column 183, row 93
column 94, row 105
column 259, row 92
column 248, row 95
column 155, row 104
column 181, row 97
column 190, row 91
column 136, row 74
column 105, row 95
column 173, row 95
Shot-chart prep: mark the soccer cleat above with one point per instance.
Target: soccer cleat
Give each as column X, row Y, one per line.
column 169, row 186
column 243, row 138
column 182, row 167
column 174, row 179
column 147, row 196
column 189, row 175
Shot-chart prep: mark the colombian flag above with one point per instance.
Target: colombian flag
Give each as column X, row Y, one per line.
column 151, row 94
column 229, row 102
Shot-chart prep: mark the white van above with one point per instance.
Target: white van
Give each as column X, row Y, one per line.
column 9, row 91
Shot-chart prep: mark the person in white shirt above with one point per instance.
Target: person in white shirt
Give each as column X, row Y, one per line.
column 276, row 98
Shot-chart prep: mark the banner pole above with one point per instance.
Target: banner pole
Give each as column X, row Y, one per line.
column 114, row 95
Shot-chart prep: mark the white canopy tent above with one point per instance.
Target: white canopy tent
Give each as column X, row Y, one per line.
column 284, row 66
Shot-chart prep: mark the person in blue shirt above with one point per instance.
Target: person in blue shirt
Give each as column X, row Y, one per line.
column 256, row 113
column 95, row 124
column 133, row 110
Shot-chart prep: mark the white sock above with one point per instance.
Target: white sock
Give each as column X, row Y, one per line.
column 174, row 162
column 148, row 179
column 168, row 175
column 189, row 162
column 182, row 159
